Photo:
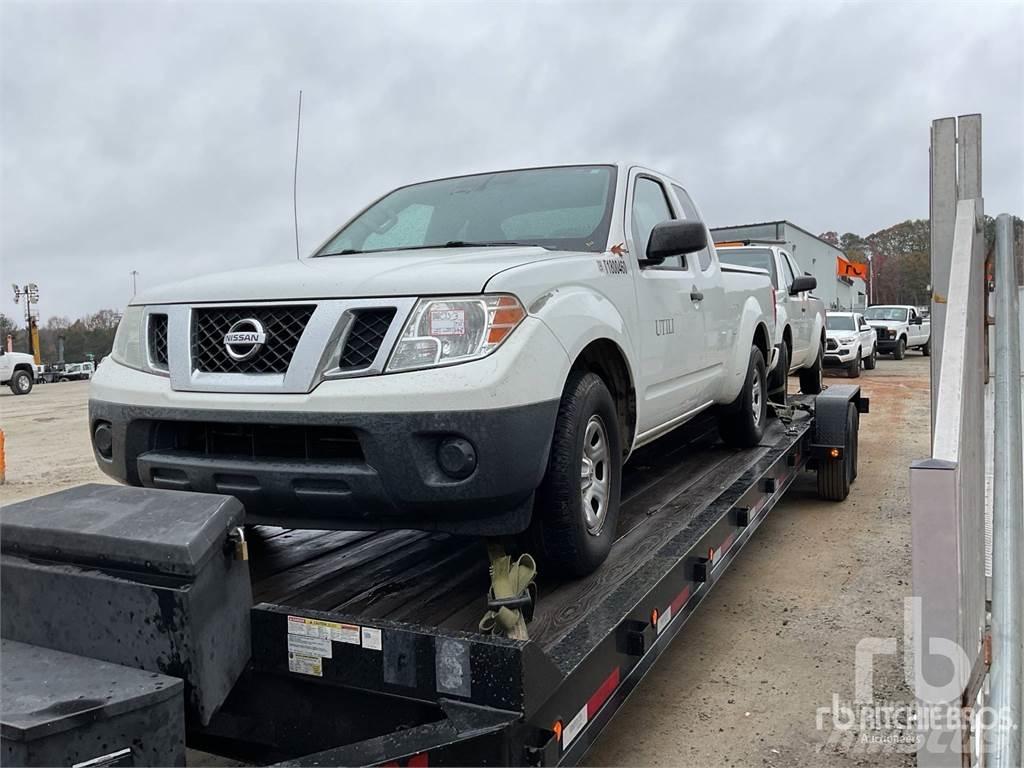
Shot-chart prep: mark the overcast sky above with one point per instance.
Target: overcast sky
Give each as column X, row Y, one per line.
column 160, row 137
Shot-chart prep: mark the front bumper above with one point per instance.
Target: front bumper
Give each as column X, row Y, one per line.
column 841, row 355
column 387, row 476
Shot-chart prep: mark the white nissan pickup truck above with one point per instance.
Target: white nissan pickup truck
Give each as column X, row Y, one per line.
column 18, row 371
column 477, row 354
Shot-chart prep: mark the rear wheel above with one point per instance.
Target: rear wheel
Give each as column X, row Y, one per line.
column 811, row 382
column 870, row 360
column 900, row 349
column 835, row 475
column 21, row 383
column 853, row 367
column 926, row 348
column 576, row 509
column 741, row 423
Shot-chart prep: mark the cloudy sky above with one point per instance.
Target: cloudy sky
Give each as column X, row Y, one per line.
column 160, row 137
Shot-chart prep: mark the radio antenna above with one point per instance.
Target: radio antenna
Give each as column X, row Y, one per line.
column 295, row 179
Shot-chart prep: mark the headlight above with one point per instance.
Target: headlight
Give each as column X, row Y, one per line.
column 452, row 330
column 129, row 339
column 847, row 339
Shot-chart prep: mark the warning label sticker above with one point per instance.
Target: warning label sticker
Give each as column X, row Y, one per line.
column 372, row 638
column 330, row 630
column 309, row 646
column 448, row 322
column 305, row 665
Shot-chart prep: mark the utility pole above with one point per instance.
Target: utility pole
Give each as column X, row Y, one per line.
column 134, row 274
column 31, row 294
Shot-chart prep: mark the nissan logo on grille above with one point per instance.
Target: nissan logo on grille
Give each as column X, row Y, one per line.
column 244, row 339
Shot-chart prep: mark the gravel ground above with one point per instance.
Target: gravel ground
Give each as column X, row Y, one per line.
column 743, row 681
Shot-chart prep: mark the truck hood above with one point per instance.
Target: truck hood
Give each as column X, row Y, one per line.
column 885, row 323
column 431, row 271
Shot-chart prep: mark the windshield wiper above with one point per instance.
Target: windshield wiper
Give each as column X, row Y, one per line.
column 449, row 244
column 484, row 244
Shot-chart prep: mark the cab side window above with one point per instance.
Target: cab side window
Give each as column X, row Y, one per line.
column 690, row 214
column 650, row 208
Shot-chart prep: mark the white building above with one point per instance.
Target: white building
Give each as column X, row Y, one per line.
column 813, row 255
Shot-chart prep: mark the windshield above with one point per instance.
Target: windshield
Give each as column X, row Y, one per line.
column 840, row 323
column 898, row 314
column 566, row 208
column 750, row 257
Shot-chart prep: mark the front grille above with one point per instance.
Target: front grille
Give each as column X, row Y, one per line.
column 883, row 333
column 831, row 345
column 364, row 340
column 283, row 325
column 157, row 341
column 258, row 441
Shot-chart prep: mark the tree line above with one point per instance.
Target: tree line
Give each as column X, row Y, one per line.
column 901, row 256
column 92, row 335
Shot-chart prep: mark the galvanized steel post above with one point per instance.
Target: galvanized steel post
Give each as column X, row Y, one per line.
column 1007, row 513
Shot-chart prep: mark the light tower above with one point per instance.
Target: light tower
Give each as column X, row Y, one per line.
column 31, row 294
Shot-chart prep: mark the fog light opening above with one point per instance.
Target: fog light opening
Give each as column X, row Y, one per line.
column 457, row 457
column 103, row 439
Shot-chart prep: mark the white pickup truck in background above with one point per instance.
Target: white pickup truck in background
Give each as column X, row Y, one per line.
column 900, row 327
column 477, row 354
column 850, row 342
column 800, row 317
column 17, row 371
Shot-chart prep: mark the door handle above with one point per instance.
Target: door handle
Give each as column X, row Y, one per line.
column 696, row 295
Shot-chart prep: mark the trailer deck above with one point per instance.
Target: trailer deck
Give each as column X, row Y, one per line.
column 429, row 688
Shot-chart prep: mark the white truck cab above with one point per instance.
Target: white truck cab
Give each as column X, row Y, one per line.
column 900, row 327
column 799, row 317
column 477, row 354
column 18, row 371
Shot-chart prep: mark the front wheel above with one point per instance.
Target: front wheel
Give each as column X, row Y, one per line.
column 926, row 348
column 811, row 382
column 576, row 509
column 900, row 350
column 870, row 360
column 779, row 378
column 853, row 368
column 21, row 383
column 741, row 423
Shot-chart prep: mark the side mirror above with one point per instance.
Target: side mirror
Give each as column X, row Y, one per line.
column 673, row 238
column 916, row 321
column 803, row 283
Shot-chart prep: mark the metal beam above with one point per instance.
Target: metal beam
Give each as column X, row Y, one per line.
column 1008, row 502
column 942, row 218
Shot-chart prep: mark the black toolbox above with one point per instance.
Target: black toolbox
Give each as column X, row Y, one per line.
column 60, row 709
column 148, row 579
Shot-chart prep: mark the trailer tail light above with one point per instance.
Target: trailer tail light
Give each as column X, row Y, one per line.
column 654, row 617
column 835, row 453
column 556, row 728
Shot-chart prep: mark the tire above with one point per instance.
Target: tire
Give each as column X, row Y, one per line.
column 853, row 367
column 900, row 350
column 741, row 423
column 562, row 535
column 811, row 382
column 926, row 348
column 21, row 383
column 779, row 378
column 63, row 378
column 835, row 475
column 871, row 360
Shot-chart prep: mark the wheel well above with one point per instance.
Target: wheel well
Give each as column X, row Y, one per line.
column 762, row 343
column 24, row 367
column 604, row 358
